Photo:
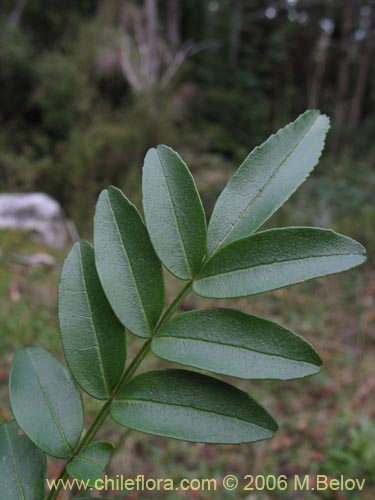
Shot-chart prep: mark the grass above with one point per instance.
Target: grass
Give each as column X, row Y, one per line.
column 326, row 421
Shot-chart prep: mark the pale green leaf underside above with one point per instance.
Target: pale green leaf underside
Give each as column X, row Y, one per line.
column 90, row 464
column 193, row 407
column 236, row 344
column 275, row 259
column 92, row 336
column 128, row 268
column 22, row 465
column 173, row 212
column 266, row 179
column 45, row 401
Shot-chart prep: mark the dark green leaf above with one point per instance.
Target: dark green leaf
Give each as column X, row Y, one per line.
column 237, row 344
column 193, row 407
column 276, row 258
column 45, row 402
column 92, row 336
column 89, row 465
column 128, row 267
column 266, row 179
column 22, row 465
column 174, row 213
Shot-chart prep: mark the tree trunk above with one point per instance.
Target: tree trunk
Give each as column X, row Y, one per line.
column 235, row 33
column 320, row 61
column 173, row 23
column 151, row 13
column 14, row 17
column 343, row 77
column 364, row 65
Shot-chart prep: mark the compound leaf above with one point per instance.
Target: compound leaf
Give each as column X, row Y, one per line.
column 266, row 179
column 236, row 344
column 128, row 267
column 22, row 465
column 276, row 258
column 193, row 407
column 91, row 461
column 174, row 212
column 92, row 336
column 45, row 401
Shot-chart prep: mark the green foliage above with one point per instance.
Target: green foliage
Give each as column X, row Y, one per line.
column 134, row 286
column 17, row 75
column 235, row 344
column 91, row 334
column 64, row 95
column 172, row 206
column 45, row 401
column 68, row 113
column 190, row 406
column 266, row 179
column 354, row 450
column 124, row 269
column 22, row 465
column 276, row 258
column 91, row 461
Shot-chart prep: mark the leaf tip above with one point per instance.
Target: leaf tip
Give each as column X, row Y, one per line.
column 150, row 152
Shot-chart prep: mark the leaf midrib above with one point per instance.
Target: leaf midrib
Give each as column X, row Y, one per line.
column 51, row 410
column 88, row 461
column 279, row 262
column 130, row 400
column 129, row 264
column 175, row 215
column 240, row 347
column 260, row 191
column 93, row 323
column 18, row 481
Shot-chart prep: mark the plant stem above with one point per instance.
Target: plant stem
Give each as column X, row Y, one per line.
column 127, row 375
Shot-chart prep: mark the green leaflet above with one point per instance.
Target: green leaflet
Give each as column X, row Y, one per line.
column 193, row 407
column 22, row 465
column 90, row 464
column 174, row 213
column 266, row 179
column 92, row 336
column 45, row 402
column 128, row 267
column 275, row 259
column 236, row 344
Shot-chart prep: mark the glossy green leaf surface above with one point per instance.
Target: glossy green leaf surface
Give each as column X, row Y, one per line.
column 193, row 407
column 22, row 465
column 128, row 267
column 266, row 179
column 236, row 344
column 92, row 336
column 45, row 401
column 174, row 213
column 276, row 258
column 90, row 464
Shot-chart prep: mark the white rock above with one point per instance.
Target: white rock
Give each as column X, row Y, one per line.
column 34, row 212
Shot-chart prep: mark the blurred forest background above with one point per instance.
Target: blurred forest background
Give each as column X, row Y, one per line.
column 86, row 87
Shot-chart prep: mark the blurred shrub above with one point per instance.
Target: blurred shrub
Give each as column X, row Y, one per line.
column 351, row 451
column 338, row 195
column 17, row 76
column 63, row 94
